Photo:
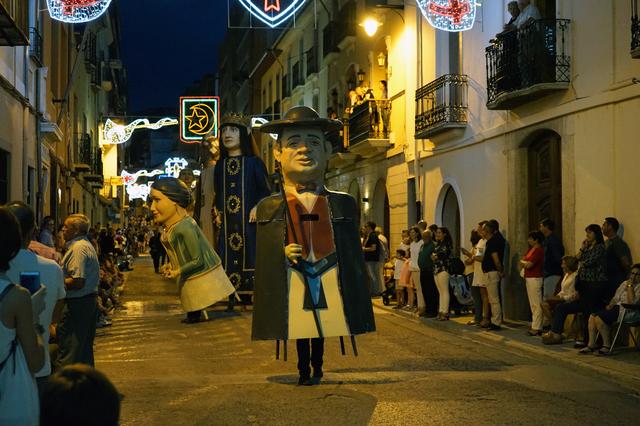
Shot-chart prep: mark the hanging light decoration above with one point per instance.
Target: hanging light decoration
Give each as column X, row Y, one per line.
column 272, row 12
column 449, row 15
column 77, row 11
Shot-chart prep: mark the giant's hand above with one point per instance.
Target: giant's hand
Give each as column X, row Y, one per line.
column 252, row 214
column 293, row 252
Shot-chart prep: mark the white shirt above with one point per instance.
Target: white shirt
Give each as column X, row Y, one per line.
column 479, row 277
column 415, row 248
column 568, row 287
column 529, row 12
column 51, row 277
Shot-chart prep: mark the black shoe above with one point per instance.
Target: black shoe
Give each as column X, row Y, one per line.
column 579, row 345
column 304, row 381
column 494, row 327
column 315, row 380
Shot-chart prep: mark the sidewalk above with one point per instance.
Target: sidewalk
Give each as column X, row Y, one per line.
column 623, row 366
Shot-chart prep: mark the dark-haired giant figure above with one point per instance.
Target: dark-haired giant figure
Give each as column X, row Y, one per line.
column 193, row 263
column 240, row 181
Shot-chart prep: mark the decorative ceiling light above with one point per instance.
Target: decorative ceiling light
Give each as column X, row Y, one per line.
column 449, row 15
column 272, row 12
column 114, row 133
column 77, row 11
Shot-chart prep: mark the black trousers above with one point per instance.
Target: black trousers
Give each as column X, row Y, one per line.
column 76, row 331
column 591, row 300
column 310, row 350
column 156, row 260
column 430, row 292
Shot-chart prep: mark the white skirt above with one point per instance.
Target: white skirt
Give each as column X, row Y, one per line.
column 204, row 289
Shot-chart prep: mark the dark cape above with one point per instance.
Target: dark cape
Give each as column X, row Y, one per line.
column 270, row 311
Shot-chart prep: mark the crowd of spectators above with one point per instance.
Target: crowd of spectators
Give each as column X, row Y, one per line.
column 598, row 284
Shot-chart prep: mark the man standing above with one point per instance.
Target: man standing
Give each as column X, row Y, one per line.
column 492, row 266
column 311, row 280
column 82, row 275
column 50, row 276
column 553, row 253
column 427, row 278
column 618, row 256
column 371, row 249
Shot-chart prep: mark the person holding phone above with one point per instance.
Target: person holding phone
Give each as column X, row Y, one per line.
column 21, row 344
column 32, row 271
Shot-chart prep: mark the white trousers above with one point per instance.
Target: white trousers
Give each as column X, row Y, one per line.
column 415, row 277
column 534, row 291
column 442, row 283
column 549, row 286
column 493, row 292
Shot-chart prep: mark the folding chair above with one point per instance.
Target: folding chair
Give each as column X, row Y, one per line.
column 632, row 321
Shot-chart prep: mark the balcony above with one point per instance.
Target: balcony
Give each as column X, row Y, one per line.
column 35, row 45
column 312, row 61
column 635, row 34
column 94, row 175
column 14, row 18
column 296, row 76
column 330, row 40
column 83, row 155
column 341, row 156
column 441, row 106
column 529, row 63
column 90, row 52
column 346, row 25
column 369, row 129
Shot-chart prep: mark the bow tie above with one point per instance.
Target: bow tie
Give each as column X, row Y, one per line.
column 309, row 187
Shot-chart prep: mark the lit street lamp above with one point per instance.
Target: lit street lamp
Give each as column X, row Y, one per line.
column 371, row 26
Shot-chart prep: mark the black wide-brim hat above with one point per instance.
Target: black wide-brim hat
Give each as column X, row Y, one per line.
column 301, row 116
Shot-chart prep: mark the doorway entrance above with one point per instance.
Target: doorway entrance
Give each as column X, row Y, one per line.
column 450, row 218
column 545, row 181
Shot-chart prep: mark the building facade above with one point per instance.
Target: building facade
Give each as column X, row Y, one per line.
column 58, row 83
column 517, row 126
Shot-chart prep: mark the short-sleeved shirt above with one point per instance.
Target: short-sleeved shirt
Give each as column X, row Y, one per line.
column 535, row 255
column 372, row 240
column 414, row 249
column 51, row 277
column 616, row 249
column 494, row 245
column 81, row 261
column 529, row 12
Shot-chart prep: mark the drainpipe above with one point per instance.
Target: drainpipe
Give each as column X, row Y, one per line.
column 416, row 151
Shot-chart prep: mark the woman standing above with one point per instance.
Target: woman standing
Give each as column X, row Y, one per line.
column 21, row 346
column 441, row 255
column 414, row 253
column 532, row 264
column 196, row 267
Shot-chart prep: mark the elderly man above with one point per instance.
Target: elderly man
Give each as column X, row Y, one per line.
column 77, row 328
column 311, row 280
column 50, row 276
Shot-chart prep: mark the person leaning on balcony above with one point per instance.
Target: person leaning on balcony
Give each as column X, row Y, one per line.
column 528, row 13
column 600, row 322
column 514, row 11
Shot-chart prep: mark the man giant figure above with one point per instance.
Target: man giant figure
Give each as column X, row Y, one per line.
column 311, row 280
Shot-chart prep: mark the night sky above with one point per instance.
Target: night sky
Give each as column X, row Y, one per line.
column 168, row 44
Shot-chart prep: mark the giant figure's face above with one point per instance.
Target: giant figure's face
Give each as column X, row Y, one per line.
column 230, row 137
column 303, row 154
column 162, row 208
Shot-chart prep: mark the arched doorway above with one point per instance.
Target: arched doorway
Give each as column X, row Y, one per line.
column 450, row 215
column 380, row 207
column 545, row 180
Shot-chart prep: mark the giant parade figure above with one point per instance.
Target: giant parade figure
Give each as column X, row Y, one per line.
column 240, row 181
column 193, row 263
column 311, row 280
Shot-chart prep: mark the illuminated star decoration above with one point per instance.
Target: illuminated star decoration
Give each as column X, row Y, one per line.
column 272, row 12
column 114, row 133
column 449, row 15
column 77, row 11
column 198, row 117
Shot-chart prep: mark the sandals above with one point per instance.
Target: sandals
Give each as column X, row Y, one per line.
column 587, row 350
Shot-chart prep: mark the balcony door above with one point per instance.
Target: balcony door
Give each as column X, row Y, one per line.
column 547, row 8
column 545, row 181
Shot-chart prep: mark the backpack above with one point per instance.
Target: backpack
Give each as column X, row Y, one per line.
column 456, row 266
column 460, row 289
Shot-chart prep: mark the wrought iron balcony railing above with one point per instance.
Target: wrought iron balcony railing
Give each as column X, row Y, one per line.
column 369, row 120
column 330, row 39
column 35, row 44
column 312, row 61
column 14, row 22
column 528, row 63
column 441, row 105
column 635, row 32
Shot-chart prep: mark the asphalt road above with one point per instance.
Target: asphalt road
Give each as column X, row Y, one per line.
column 406, row 374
